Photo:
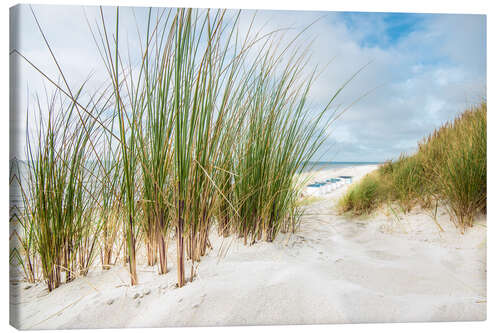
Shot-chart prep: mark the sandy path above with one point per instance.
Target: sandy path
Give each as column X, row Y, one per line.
column 334, row 270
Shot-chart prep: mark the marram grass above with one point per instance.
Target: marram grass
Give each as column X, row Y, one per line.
column 203, row 127
column 449, row 169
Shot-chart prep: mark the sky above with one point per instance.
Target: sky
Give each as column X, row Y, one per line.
column 421, row 69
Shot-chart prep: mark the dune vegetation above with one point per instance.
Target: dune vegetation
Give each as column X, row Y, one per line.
column 448, row 169
column 203, row 128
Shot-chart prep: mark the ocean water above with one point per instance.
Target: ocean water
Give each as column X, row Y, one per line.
column 320, row 166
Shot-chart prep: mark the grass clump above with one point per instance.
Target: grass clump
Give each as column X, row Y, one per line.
column 57, row 221
column 407, row 184
column 363, row 197
column 200, row 126
column 449, row 169
column 460, row 175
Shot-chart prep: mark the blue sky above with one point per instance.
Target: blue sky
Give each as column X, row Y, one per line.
column 424, row 69
column 397, row 26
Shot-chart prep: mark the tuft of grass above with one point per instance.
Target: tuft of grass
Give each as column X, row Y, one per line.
column 363, row 197
column 449, row 168
column 407, row 182
column 57, row 217
column 461, row 175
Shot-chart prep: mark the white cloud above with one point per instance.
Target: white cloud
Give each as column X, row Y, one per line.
column 423, row 79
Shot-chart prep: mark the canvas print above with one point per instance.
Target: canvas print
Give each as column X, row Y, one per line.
column 176, row 167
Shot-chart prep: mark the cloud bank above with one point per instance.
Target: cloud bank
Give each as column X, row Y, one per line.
column 423, row 69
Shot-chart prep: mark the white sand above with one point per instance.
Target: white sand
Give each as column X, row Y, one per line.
column 333, row 270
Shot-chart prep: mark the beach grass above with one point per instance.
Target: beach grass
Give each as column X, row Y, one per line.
column 204, row 126
column 448, row 169
column 57, row 220
column 364, row 197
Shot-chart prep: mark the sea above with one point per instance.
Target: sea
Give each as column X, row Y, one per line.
column 322, row 165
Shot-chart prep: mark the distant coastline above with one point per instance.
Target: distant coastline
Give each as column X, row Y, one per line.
column 325, row 165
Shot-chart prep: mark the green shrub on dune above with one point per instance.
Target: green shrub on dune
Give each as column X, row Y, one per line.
column 364, row 196
column 461, row 176
column 449, row 168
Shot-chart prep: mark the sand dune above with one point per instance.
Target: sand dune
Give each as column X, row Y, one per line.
column 333, row 270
